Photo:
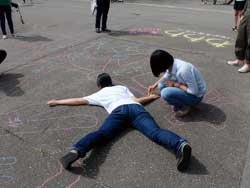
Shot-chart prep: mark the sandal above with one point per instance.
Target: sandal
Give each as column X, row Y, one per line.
column 235, row 62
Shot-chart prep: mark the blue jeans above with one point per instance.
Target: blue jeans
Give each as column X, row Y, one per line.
column 177, row 97
column 123, row 117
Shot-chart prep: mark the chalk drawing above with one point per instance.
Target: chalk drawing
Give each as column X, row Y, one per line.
column 49, row 179
column 14, row 120
column 145, row 31
column 7, row 160
column 74, row 182
column 215, row 97
column 6, row 168
column 33, row 125
column 218, row 41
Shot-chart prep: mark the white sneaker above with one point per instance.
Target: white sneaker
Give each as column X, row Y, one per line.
column 244, row 69
column 5, row 37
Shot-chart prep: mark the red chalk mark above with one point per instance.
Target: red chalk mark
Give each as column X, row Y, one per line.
column 74, row 182
column 52, row 177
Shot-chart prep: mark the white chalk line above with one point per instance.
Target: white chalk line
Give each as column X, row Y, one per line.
column 181, row 8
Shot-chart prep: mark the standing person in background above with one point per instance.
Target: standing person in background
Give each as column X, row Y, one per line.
column 5, row 11
column 102, row 13
column 242, row 44
column 238, row 7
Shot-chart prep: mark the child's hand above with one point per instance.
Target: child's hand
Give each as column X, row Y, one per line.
column 154, row 96
column 151, row 89
column 52, row 102
column 170, row 83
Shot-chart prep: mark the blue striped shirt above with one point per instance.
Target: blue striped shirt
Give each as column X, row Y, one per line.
column 186, row 73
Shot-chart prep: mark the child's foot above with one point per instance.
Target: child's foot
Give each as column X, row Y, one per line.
column 244, row 69
column 69, row 158
column 236, row 62
column 5, row 37
column 184, row 156
column 185, row 111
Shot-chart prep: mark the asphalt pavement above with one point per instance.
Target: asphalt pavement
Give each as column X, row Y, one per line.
column 57, row 54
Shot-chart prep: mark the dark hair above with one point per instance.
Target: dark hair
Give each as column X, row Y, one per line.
column 160, row 61
column 3, row 55
column 104, row 80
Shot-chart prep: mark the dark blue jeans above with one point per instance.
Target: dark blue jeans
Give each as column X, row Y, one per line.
column 123, row 117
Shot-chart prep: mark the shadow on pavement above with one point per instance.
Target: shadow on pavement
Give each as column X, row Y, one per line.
column 196, row 167
column 33, row 38
column 91, row 164
column 206, row 113
column 9, row 84
column 133, row 33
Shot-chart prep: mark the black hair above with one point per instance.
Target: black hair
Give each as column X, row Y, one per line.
column 104, row 80
column 3, row 55
column 160, row 61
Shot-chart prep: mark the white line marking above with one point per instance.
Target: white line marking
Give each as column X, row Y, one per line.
column 183, row 8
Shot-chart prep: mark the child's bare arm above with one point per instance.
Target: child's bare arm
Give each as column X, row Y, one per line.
column 69, row 102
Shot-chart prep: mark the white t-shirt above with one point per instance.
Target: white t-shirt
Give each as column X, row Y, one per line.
column 111, row 97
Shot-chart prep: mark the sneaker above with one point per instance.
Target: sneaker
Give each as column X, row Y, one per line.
column 13, row 35
column 244, row 69
column 106, row 30
column 184, row 111
column 97, row 30
column 236, row 62
column 234, row 28
column 69, row 158
column 184, row 156
column 5, row 37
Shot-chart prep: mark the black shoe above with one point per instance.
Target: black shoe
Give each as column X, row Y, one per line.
column 97, row 30
column 184, row 157
column 68, row 159
column 106, row 30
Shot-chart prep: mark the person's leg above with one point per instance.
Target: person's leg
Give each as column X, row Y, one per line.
column 2, row 20
column 9, row 19
column 112, row 126
column 99, row 10
column 241, row 41
column 236, row 15
column 246, row 67
column 145, row 123
column 179, row 98
column 106, row 5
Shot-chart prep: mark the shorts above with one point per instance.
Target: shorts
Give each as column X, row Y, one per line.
column 239, row 5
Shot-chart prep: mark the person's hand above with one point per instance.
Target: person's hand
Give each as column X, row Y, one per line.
column 241, row 18
column 151, row 89
column 154, row 96
column 52, row 102
column 170, row 83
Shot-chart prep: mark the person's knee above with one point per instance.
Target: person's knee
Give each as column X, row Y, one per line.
column 166, row 94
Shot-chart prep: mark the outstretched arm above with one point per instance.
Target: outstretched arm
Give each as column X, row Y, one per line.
column 69, row 102
column 146, row 99
column 154, row 86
